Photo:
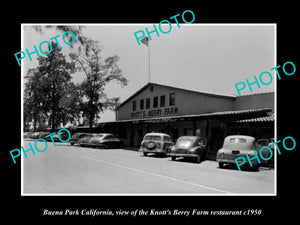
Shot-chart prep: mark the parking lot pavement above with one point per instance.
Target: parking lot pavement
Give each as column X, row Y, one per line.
column 66, row 169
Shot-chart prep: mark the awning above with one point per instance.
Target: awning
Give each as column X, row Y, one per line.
column 270, row 118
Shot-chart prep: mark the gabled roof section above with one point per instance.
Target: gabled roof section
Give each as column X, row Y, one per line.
column 176, row 88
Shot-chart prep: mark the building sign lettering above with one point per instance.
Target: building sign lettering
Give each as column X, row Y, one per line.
column 155, row 112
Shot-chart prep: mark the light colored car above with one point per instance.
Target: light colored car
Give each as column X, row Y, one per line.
column 237, row 146
column 55, row 138
column 104, row 140
column 156, row 143
column 188, row 147
column 85, row 141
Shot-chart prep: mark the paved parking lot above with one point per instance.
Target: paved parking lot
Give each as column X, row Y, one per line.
column 67, row 169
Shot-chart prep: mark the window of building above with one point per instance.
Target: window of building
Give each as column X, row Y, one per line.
column 162, row 100
column 142, row 104
column 172, row 99
column 147, row 103
column 133, row 105
column 155, row 102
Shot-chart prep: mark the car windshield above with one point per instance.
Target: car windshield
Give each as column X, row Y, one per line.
column 152, row 138
column 185, row 142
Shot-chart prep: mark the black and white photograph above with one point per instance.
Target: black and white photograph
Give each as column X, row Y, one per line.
column 162, row 117
column 142, row 115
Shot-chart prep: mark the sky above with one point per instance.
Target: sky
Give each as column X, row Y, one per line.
column 201, row 57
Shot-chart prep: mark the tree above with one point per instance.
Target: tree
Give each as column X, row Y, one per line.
column 33, row 101
column 70, row 104
column 98, row 74
column 48, row 84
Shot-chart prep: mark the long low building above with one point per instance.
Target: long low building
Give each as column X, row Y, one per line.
column 177, row 112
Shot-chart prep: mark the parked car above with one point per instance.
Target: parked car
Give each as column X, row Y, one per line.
column 263, row 142
column 189, row 147
column 265, row 153
column 54, row 137
column 272, row 140
column 34, row 135
column 105, row 141
column 75, row 138
column 271, row 146
column 85, row 141
column 27, row 134
column 43, row 134
column 156, row 143
column 237, row 146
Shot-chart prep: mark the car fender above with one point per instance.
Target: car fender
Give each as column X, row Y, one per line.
column 221, row 150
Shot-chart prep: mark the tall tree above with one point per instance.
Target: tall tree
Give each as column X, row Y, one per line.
column 98, row 73
column 49, row 82
column 35, row 104
column 32, row 110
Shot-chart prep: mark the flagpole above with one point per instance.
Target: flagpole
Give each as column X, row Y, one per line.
column 146, row 42
column 148, row 61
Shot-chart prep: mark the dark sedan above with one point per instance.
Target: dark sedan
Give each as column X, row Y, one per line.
column 188, row 147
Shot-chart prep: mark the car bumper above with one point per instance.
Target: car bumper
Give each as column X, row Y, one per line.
column 97, row 145
column 183, row 154
column 84, row 144
column 235, row 160
column 155, row 150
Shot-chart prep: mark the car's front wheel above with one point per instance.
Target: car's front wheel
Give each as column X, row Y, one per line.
column 145, row 153
column 173, row 158
column 221, row 164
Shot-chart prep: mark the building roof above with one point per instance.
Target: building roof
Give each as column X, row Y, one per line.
column 176, row 88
